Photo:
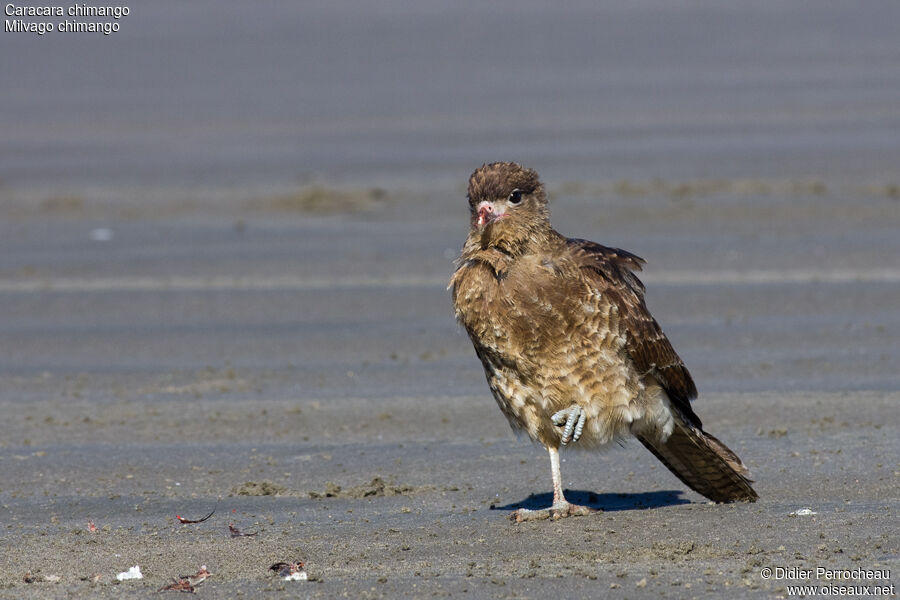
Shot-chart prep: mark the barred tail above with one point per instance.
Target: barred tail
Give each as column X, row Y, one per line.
column 703, row 463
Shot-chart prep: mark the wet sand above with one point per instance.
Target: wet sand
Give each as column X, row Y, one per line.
column 223, row 288
column 331, row 404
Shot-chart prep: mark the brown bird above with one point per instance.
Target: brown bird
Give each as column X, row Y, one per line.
column 570, row 351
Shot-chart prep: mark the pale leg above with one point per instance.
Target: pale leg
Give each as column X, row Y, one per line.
column 558, row 497
column 561, row 507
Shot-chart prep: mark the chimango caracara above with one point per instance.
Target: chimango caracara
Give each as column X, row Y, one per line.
column 571, row 353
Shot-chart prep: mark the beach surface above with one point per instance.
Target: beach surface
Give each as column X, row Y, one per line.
column 225, row 238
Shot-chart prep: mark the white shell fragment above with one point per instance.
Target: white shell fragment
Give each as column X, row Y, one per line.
column 132, row 573
column 803, row 512
column 290, row 571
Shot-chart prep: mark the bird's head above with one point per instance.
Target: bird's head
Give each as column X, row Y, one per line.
column 508, row 206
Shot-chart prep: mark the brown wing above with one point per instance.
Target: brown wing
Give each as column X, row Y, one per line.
column 612, row 271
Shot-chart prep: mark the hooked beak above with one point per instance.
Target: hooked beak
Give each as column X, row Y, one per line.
column 487, row 213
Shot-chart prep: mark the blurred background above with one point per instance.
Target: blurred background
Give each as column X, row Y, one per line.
column 211, row 93
column 272, row 148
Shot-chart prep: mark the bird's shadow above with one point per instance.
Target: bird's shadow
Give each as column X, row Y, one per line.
column 604, row 502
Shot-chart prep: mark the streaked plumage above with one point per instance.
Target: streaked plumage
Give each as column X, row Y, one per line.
column 570, row 351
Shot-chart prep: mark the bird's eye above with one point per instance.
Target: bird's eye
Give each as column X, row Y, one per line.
column 515, row 196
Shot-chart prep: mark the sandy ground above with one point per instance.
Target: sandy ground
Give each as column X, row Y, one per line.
column 316, row 390
column 225, row 237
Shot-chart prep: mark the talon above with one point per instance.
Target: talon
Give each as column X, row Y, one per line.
column 573, row 420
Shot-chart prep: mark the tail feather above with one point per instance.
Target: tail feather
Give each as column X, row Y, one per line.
column 703, row 463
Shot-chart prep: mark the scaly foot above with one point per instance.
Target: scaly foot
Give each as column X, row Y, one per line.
column 572, row 421
column 560, row 510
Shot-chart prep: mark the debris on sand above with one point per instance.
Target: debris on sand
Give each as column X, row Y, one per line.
column 35, row 578
column 259, row 488
column 187, row 583
column 178, row 585
column 184, row 521
column 91, row 527
column 290, row 571
column 332, row 490
column 235, row 532
column 199, row 577
column 802, row 512
column 376, row 487
column 319, row 199
column 132, row 573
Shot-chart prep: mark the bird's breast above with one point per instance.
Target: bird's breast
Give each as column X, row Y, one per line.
column 516, row 317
